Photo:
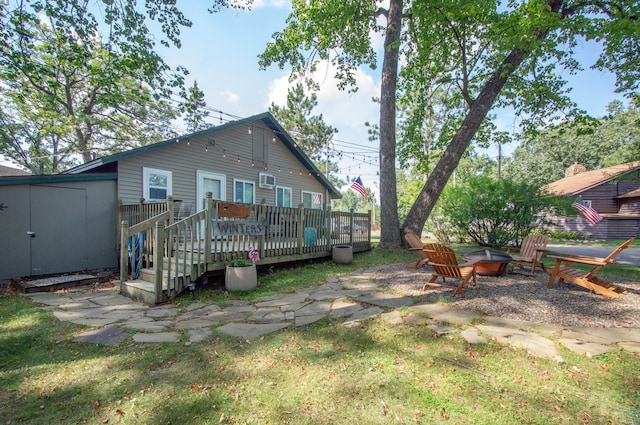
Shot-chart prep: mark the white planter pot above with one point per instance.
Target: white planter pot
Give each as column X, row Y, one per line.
column 241, row 278
column 342, row 254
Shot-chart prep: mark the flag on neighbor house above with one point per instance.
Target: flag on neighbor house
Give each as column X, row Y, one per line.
column 359, row 187
column 590, row 214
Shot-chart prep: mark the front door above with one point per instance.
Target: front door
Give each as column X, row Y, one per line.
column 211, row 182
column 214, row 183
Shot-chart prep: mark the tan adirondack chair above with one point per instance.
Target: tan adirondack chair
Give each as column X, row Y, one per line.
column 445, row 265
column 415, row 244
column 530, row 252
column 587, row 279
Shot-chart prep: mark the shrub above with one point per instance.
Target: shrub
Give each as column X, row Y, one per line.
column 495, row 213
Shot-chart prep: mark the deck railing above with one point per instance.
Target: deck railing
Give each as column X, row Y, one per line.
column 205, row 242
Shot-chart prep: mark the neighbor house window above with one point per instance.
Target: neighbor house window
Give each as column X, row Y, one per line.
column 156, row 184
column 283, row 197
column 312, row 200
column 243, row 191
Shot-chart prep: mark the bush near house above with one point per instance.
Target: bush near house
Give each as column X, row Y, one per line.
column 496, row 213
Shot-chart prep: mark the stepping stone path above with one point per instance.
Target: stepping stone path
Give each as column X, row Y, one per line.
column 351, row 298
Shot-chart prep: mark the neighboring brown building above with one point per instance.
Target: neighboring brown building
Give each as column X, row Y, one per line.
column 614, row 192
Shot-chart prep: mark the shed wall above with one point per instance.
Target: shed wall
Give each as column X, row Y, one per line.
column 67, row 236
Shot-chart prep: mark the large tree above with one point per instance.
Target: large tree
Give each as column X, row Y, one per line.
column 507, row 57
column 311, row 133
column 469, row 48
column 339, row 32
column 194, row 109
column 84, row 78
column 77, row 86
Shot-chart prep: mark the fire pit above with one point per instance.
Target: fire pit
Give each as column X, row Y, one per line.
column 489, row 262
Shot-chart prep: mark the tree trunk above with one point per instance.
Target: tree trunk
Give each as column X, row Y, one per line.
column 437, row 180
column 390, row 236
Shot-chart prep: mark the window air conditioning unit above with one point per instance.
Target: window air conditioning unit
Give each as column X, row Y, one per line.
column 267, row 181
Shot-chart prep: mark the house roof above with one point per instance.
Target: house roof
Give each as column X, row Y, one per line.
column 265, row 117
column 10, row 171
column 631, row 194
column 585, row 180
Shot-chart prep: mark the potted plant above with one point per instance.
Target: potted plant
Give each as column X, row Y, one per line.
column 240, row 274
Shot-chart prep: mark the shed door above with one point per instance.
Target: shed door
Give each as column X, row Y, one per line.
column 59, row 227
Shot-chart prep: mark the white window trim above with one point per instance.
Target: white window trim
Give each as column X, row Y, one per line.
column 200, row 175
column 146, row 172
column 312, row 193
column 253, row 201
column 288, row 189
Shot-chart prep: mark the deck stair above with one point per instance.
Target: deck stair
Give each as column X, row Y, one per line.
column 144, row 288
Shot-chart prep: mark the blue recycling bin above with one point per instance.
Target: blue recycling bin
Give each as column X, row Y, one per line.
column 310, row 236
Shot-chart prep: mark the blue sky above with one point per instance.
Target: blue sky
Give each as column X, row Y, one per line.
column 220, row 50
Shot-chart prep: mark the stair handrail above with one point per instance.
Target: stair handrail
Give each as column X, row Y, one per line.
column 126, row 232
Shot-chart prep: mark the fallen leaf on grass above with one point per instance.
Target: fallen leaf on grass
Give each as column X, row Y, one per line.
column 443, row 413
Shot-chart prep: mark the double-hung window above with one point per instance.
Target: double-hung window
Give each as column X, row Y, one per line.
column 244, row 191
column 156, row 184
column 283, row 196
column 312, row 200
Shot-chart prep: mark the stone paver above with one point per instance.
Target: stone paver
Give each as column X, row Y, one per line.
column 250, row 330
column 534, row 344
column 110, row 335
column 352, row 298
column 157, row 337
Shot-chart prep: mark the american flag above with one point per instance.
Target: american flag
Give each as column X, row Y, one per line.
column 317, row 198
column 359, row 187
column 588, row 213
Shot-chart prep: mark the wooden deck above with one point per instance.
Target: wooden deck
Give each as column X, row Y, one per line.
column 171, row 254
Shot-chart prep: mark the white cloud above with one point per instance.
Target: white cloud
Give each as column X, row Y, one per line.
column 339, row 108
column 280, row 4
column 230, row 97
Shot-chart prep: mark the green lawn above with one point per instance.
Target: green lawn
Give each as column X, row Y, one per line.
column 319, row 374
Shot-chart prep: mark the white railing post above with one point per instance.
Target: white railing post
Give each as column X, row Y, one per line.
column 301, row 225
column 158, row 255
column 208, row 206
column 124, row 231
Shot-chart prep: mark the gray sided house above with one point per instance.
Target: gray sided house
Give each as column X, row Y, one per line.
column 250, row 161
column 614, row 192
column 70, row 222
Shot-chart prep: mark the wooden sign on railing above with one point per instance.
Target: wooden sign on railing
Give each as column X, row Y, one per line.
column 238, row 228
